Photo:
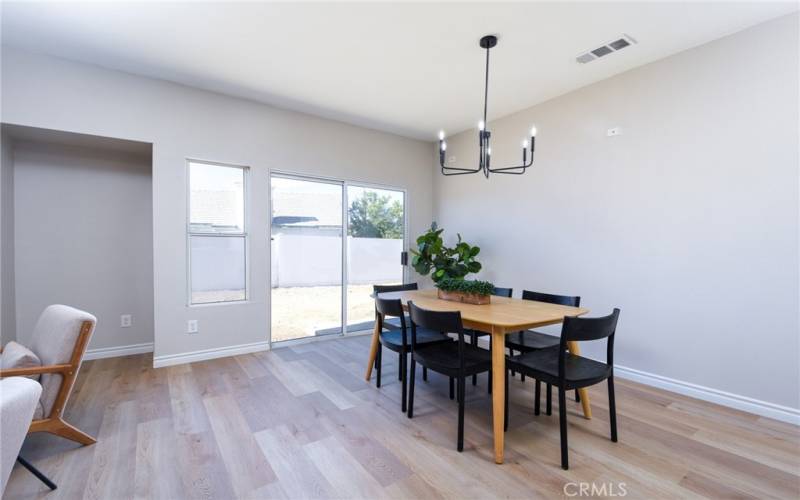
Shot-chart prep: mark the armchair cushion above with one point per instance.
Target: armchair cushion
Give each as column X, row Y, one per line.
column 53, row 340
column 16, row 355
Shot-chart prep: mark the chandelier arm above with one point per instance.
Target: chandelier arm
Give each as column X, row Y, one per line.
column 460, row 173
column 459, row 169
column 506, row 170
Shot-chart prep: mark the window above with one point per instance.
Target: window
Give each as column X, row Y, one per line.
column 217, row 233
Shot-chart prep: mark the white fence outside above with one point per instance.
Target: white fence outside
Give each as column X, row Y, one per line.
column 315, row 260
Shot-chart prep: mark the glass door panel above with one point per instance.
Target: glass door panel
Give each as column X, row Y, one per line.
column 375, row 240
column 306, row 258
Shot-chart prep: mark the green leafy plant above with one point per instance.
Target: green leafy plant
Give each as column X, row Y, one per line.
column 476, row 287
column 432, row 257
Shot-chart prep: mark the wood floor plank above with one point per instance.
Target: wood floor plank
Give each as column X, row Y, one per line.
column 347, row 477
column 247, row 467
column 114, row 459
column 294, row 469
column 157, row 472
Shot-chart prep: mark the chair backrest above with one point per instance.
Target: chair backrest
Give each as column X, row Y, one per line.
column 394, row 288
column 60, row 337
column 564, row 300
column 502, row 292
column 394, row 308
column 389, row 307
column 584, row 329
column 18, row 399
column 438, row 321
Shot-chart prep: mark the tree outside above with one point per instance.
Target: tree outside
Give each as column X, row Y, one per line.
column 374, row 216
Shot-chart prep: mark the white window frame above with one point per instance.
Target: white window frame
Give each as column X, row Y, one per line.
column 241, row 234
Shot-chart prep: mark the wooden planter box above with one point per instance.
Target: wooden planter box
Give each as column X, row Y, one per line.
column 467, row 298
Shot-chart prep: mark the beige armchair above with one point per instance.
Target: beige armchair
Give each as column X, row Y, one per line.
column 18, row 399
column 59, row 340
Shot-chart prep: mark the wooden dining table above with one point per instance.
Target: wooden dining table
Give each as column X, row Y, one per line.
column 499, row 318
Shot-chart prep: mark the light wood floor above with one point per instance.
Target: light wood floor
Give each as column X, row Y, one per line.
column 301, row 422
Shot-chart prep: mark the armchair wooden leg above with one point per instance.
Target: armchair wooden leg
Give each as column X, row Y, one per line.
column 64, row 429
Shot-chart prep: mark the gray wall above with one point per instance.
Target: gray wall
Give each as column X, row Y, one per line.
column 7, row 314
column 688, row 221
column 84, row 237
column 182, row 122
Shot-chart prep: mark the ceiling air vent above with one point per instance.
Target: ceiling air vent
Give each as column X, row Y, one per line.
column 605, row 49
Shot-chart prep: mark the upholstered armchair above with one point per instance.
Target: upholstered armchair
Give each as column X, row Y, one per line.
column 53, row 358
column 18, row 399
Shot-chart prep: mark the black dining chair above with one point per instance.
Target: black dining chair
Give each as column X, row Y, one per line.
column 394, row 323
column 454, row 359
column 399, row 341
column 531, row 340
column 568, row 371
column 474, row 334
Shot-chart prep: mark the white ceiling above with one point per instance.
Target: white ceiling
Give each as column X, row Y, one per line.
column 407, row 68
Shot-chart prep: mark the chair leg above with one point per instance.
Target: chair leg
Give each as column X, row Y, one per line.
column 378, row 365
column 36, row 472
column 577, row 396
column 474, row 343
column 510, row 354
column 63, row 429
column 461, row 388
column 424, row 373
column 537, row 395
column 452, row 388
column 400, row 363
column 404, row 388
column 549, row 399
column 562, row 421
column 412, row 372
column 505, row 413
column 612, row 408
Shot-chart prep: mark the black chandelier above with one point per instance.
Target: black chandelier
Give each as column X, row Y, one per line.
column 485, row 149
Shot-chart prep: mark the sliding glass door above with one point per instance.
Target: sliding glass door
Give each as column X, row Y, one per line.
column 306, row 252
column 375, row 240
column 310, row 218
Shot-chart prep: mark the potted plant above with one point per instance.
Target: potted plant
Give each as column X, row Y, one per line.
column 467, row 291
column 432, row 256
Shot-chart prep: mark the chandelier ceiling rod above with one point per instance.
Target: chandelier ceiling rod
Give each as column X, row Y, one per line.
column 484, row 136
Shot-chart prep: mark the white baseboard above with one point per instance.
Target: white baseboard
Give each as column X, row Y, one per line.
column 222, row 352
column 113, row 352
column 744, row 403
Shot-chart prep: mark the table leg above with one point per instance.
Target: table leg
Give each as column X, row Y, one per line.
column 587, row 409
column 498, row 391
column 373, row 349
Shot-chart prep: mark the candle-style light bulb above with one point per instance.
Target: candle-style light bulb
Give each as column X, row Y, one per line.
column 525, row 144
column 441, row 135
column 533, row 131
column 488, row 151
column 481, row 125
column 444, row 146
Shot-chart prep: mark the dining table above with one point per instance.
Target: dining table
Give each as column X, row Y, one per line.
column 500, row 317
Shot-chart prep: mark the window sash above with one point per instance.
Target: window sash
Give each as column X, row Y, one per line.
column 193, row 231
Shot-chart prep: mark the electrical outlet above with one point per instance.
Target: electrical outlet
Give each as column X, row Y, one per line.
column 125, row 321
column 191, row 326
column 613, row 131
